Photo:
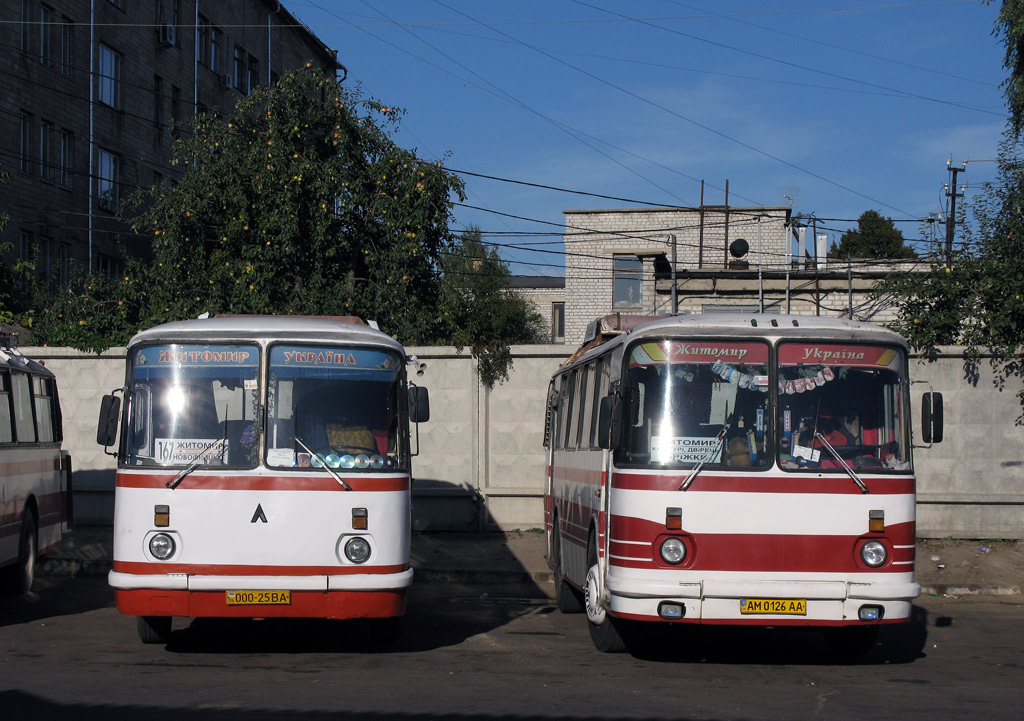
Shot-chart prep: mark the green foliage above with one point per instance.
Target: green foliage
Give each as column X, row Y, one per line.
column 300, row 203
column 1010, row 30
column 978, row 301
column 875, row 237
column 479, row 310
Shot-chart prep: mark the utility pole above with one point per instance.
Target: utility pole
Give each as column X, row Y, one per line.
column 951, row 218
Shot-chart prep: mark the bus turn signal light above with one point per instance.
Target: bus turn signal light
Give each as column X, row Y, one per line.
column 161, row 516
column 876, row 521
column 359, row 519
column 674, row 519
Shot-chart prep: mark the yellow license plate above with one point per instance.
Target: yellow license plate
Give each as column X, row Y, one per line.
column 774, row 606
column 259, row 598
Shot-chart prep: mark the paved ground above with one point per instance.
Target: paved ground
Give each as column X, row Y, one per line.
column 944, row 567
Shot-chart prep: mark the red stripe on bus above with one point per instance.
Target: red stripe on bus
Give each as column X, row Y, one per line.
column 761, row 552
column 226, row 481
column 763, row 483
column 225, row 569
column 304, row 604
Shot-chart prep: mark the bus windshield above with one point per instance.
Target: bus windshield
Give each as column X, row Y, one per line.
column 696, row 401
column 193, row 405
column 842, row 403
column 335, row 406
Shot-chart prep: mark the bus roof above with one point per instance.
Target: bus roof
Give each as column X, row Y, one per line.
column 621, row 329
column 268, row 327
column 12, row 358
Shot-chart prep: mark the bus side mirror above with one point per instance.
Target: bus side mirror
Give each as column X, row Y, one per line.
column 106, row 430
column 419, row 405
column 931, row 417
column 609, row 422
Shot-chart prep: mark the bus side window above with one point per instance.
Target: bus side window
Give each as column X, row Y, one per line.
column 43, row 397
column 23, row 421
column 6, row 418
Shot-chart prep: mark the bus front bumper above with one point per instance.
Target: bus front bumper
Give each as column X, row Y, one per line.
column 368, row 595
column 723, row 601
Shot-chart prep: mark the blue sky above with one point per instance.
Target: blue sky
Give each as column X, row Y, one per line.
column 842, row 105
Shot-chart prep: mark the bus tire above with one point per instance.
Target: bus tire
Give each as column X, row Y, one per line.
column 154, row 629
column 23, row 575
column 566, row 598
column 604, row 631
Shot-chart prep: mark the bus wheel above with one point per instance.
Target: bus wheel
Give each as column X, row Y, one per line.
column 24, row 573
column 851, row 641
column 154, row 629
column 565, row 595
column 603, row 631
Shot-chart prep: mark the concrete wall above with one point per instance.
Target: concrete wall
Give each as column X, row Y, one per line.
column 481, row 463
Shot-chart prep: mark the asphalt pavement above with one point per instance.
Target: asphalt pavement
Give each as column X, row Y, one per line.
column 518, row 556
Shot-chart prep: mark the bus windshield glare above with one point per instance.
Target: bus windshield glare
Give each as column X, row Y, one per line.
column 193, row 404
column 681, row 395
column 842, row 403
column 334, row 406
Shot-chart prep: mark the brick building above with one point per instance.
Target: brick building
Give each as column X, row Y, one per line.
column 726, row 258
column 94, row 94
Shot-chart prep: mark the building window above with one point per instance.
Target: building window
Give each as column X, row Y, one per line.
column 67, row 48
column 627, row 272
column 67, row 158
column 253, row 70
column 25, row 150
column 46, row 150
column 158, row 102
column 110, row 77
column 108, row 167
column 26, row 26
column 239, row 70
column 45, row 29
column 215, row 42
column 203, row 40
column 176, row 118
column 109, row 266
column 558, row 322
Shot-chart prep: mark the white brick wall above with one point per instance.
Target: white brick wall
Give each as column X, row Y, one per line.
column 593, row 237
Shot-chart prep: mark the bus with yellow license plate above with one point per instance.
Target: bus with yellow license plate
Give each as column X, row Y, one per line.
column 263, row 471
column 734, row 469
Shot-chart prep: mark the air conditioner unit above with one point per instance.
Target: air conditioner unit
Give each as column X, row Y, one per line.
column 167, row 34
column 225, row 81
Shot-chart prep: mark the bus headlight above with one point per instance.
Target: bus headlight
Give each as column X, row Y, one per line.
column 873, row 553
column 162, row 546
column 357, row 549
column 673, row 550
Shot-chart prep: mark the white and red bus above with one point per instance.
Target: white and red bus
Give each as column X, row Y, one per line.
column 734, row 469
column 263, row 471
column 35, row 472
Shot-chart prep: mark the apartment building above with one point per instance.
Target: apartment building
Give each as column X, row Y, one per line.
column 94, row 92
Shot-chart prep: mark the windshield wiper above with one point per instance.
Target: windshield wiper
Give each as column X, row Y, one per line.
column 846, row 466
column 223, row 440
column 719, row 439
column 185, row 471
column 323, row 461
